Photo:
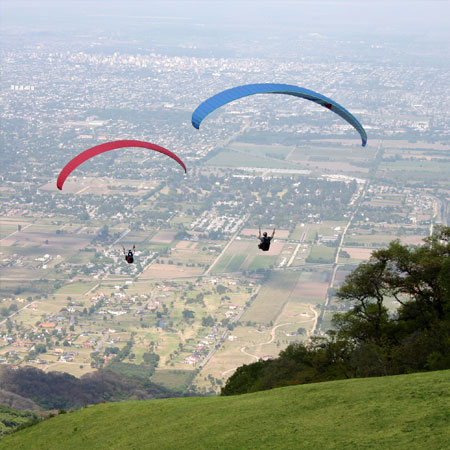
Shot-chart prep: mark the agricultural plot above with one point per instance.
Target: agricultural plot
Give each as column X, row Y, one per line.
column 313, row 292
column 231, row 158
column 134, row 238
column 271, row 298
column 321, row 254
column 311, row 287
column 188, row 253
column 173, row 379
column 169, row 271
column 356, row 254
column 270, row 151
column 76, row 288
column 245, row 255
column 340, row 276
column 333, row 158
column 378, row 240
column 423, row 163
column 185, row 220
column 163, row 237
column 7, row 229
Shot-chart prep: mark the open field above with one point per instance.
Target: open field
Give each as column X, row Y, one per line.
column 420, row 145
column 271, row 151
column 76, row 288
column 357, row 253
column 271, row 298
column 332, row 158
column 245, row 255
column 411, row 410
column 230, row 158
column 163, row 237
column 172, row 379
column 322, row 254
column 313, row 291
column 170, row 271
column 186, row 245
column 379, row 239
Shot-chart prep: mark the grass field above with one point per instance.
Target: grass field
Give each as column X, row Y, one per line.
column 172, row 379
column 262, row 262
column 380, row 239
column 322, row 253
column 245, row 255
column 277, row 151
column 76, row 288
column 160, row 271
column 400, row 412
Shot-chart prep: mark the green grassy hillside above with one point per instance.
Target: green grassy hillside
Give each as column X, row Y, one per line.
column 406, row 411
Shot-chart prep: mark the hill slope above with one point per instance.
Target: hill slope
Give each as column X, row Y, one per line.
column 405, row 411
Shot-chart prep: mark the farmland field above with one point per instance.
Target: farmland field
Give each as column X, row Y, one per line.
column 271, row 298
column 322, row 253
column 245, row 255
column 232, row 158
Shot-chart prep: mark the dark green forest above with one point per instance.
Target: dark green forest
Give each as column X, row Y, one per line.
column 372, row 339
column 57, row 390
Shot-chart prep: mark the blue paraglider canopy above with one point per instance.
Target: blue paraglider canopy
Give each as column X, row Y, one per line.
column 238, row 92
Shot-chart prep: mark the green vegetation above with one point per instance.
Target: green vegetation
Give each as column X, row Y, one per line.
column 55, row 390
column 11, row 419
column 369, row 340
column 176, row 380
column 321, row 254
column 262, row 262
column 236, row 262
column 236, row 159
column 400, row 412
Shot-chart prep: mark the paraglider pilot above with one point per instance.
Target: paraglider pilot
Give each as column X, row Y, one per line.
column 264, row 245
column 129, row 257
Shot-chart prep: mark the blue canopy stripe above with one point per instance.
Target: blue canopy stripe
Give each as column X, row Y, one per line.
column 238, row 92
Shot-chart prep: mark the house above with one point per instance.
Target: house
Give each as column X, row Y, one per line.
column 47, row 325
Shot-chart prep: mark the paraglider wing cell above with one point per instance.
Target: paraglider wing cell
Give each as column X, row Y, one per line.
column 238, row 92
column 106, row 147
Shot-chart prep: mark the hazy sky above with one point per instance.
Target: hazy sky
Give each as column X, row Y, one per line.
column 320, row 15
column 414, row 31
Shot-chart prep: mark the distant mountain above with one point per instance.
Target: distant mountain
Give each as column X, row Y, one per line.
column 17, row 402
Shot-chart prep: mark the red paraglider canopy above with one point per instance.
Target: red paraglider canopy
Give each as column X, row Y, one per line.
column 106, row 147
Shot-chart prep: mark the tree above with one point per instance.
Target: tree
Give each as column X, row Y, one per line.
column 372, row 339
column 221, row 289
column 188, row 314
column 40, row 348
column 416, row 336
column 207, row 321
